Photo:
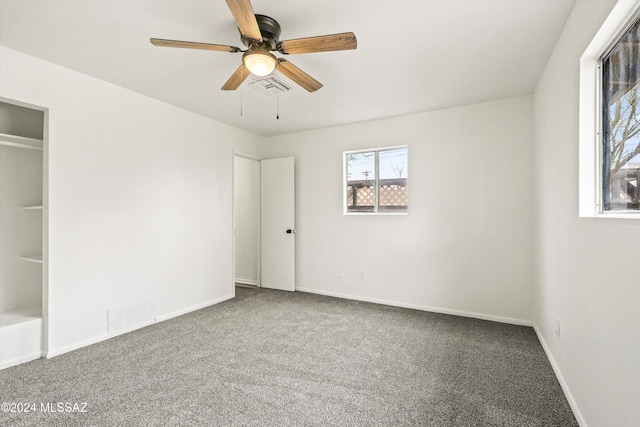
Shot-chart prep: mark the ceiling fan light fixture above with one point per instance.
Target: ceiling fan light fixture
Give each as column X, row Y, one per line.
column 259, row 62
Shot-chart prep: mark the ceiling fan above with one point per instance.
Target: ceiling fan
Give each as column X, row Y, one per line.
column 260, row 33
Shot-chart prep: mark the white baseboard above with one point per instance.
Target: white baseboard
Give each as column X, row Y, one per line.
column 94, row 340
column 20, row 340
column 500, row 319
column 193, row 308
column 61, row 350
column 247, row 282
column 561, row 380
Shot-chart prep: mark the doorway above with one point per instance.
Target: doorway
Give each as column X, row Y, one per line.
column 264, row 222
column 246, row 220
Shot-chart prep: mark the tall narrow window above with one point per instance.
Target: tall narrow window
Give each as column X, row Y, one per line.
column 376, row 181
column 621, row 123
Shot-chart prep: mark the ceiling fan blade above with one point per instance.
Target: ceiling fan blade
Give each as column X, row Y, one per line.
column 194, row 45
column 246, row 19
column 328, row 43
column 298, row 76
column 237, row 78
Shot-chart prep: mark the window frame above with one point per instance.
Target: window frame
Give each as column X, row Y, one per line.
column 377, row 150
column 591, row 144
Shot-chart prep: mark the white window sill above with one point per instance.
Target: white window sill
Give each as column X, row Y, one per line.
column 619, row 215
column 376, row 213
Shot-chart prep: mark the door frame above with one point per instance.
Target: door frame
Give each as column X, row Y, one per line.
column 233, row 221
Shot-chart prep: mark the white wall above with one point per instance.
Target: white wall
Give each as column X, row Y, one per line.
column 588, row 268
column 465, row 246
column 246, row 219
column 140, row 199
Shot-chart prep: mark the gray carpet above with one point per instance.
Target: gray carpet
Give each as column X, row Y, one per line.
column 270, row 358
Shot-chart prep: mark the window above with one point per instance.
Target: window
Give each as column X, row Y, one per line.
column 376, row 180
column 609, row 140
column 621, row 123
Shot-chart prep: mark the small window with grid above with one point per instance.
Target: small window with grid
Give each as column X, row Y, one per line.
column 376, row 180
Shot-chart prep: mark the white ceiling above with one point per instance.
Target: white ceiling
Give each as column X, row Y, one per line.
column 412, row 56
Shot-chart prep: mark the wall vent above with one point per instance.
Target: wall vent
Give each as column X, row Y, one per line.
column 270, row 85
column 130, row 317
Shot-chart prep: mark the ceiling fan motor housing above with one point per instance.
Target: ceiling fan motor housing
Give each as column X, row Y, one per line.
column 270, row 30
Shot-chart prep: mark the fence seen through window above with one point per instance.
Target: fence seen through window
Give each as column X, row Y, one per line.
column 376, row 180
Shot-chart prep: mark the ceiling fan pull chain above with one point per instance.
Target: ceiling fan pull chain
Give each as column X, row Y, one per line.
column 241, row 70
column 278, row 105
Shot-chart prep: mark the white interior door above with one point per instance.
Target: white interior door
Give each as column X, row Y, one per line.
column 277, row 224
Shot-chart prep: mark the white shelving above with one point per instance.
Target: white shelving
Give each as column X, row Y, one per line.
column 18, row 316
column 32, row 211
column 20, row 141
column 23, row 327
column 22, row 223
column 34, row 259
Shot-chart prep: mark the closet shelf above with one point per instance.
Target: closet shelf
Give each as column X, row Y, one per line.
column 21, row 315
column 22, row 268
column 20, row 141
column 31, row 211
column 35, row 259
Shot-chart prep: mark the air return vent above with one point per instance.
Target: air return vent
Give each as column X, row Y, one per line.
column 270, row 85
column 130, row 317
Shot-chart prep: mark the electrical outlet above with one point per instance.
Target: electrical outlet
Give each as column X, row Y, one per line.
column 363, row 275
column 558, row 327
column 340, row 273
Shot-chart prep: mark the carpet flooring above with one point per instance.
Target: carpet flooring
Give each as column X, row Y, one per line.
column 270, row 358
